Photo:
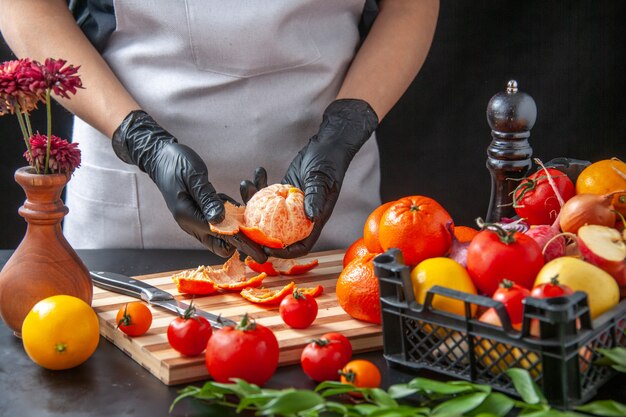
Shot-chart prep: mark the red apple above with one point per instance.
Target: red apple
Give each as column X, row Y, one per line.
column 605, row 248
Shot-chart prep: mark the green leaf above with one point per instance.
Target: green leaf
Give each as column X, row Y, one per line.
column 429, row 385
column 256, row 400
column 365, row 409
column 604, row 408
column 335, row 407
column 616, row 357
column 400, row 411
column 292, row 402
column 551, row 412
column 189, row 391
column 330, row 388
column 460, row 405
column 525, row 386
column 239, row 387
column 381, row 398
column 496, row 404
column 475, row 387
column 401, row 390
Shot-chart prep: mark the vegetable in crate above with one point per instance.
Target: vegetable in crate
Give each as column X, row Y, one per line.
column 495, row 254
column 536, row 201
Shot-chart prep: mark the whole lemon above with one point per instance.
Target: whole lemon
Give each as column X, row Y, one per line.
column 60, row 332
column 444, row 272
column 602, row 290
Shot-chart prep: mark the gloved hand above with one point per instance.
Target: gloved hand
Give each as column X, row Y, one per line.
column 181, row 176
column 319, row 167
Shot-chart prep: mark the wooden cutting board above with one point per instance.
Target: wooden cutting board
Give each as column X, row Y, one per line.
column 152, row 350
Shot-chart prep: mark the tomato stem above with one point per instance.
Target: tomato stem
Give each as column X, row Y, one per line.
column 298, row 295
column 506, row 283
column 125, row 320
column 506, row 236
column 246, row 323
column 189, row 312
column 555, row 280
column 350, row 376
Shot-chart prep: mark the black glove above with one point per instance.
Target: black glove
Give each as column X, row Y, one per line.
column 319, row 167
column 181, row 176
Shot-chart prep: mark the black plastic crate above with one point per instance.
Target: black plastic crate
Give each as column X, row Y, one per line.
column 561, row 359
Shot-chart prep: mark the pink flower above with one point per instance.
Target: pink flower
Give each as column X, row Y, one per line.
column 21, row 83
column 61, row 79
column 64, row 156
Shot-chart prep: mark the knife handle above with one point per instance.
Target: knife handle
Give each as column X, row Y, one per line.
column 124, row 284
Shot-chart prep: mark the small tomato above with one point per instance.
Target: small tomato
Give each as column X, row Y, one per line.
column 361, row 373
column 189, row 333
column 323, row 358
column 134, row 318
column 298, row 310
column 511, row 295
column 551, row 289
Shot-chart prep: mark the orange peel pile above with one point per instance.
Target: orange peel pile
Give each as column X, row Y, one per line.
column 231, row 276
column 274, row 217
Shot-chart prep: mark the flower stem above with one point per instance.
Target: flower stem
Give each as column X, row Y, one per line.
column 49, row 130
column 20, row 120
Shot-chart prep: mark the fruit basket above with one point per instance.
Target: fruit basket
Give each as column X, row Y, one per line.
column 560, row 358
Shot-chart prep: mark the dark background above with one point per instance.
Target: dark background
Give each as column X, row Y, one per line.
column 565, row 54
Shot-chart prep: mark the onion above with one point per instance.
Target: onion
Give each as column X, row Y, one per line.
column 585, row 209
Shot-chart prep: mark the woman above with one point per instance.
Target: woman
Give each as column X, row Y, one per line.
column 198, row 93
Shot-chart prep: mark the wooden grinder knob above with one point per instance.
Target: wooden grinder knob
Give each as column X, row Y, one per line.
column 510, row 114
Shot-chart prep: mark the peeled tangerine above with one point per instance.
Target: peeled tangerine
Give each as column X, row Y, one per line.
column 274, row 217
column 602, row 290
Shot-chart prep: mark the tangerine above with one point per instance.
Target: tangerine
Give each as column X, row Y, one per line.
column 355, row 250
column 603, row 177
column 465, row 234
column 416, row 225
column 357, row 290
column 371, row 228
column 274, row 217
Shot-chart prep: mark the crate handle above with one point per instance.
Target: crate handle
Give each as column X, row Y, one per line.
column 394, row 278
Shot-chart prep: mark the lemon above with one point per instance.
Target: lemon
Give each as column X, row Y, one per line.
column 60, row 332
column 444, row 272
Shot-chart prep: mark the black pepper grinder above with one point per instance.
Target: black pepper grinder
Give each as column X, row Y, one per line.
column 510, row 114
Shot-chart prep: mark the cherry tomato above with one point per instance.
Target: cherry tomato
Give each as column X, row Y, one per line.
column 298, row 310
column 248, row 351
column 495, row 254
column 345, row 343
column 134, row 318
column 361, row 373
column 535, row 200
column 323, row 358
column 511, row 295
column 189, row 333
column 551, row 289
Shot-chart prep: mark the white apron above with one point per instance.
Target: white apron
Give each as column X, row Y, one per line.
column 242, row 82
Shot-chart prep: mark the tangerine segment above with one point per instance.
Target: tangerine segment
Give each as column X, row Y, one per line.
column 194, row 282
column 267, row 296
column 276, row 215
column 312, row 291
column 233, row 219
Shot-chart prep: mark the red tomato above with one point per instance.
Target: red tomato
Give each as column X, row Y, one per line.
column 189, row 333
column 323, row 358
column 134, row 318
column 511, row 295
column 345, row 342
column 495, row 254
column 298, row 310
column 551, row 289
column 248, row 351
column 535, row 200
